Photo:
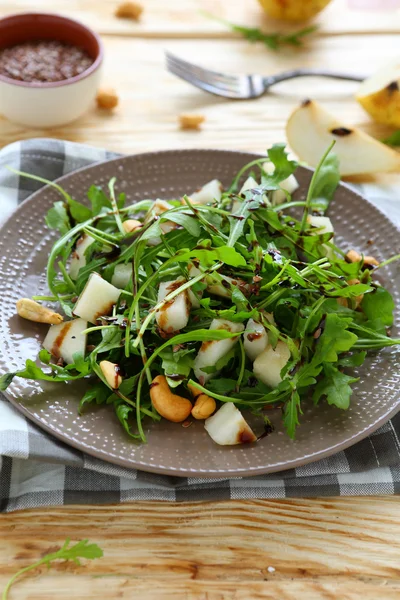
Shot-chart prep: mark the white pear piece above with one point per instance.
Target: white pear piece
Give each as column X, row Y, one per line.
column 210, row 192
column 212, row 351
column 159, row 207
column 122, row 276
column 78, row 259
column 379, row 95
column 96, row 299
column 268, row 365
column 249, row 184
column 290, row 185
column 311, row 129
column 228, row 427
column 174, row 315
column 323, row 224
column 255, row 339
column 66, row 339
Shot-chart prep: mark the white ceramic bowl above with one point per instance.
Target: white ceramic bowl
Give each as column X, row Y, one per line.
column 49, row 104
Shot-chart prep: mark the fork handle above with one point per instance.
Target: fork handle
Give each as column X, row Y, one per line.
column 273, row 79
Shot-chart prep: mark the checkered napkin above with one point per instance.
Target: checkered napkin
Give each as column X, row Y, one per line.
column 37, row 470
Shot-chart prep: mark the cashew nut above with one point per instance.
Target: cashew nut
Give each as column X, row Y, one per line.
column 191, row 120
column 31, row 310
column 129, row 10
column 107, row 98
column 370, row 261
column 170, row 406
column 354, row 256
column 131, row 225
column 357, row 299
column 111, row 373
column 204, row 405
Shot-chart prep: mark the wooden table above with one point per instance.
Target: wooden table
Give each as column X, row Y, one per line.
column 323, row 549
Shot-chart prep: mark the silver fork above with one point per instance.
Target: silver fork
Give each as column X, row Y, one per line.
column 241, row 87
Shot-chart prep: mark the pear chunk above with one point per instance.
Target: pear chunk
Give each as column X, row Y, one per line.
column 66, row 339
column 379, row 95
column 208, row 193
column 78, row 259
column 255, row 339
column 311, row 129
column 97, row 299
column 268, row 365
column 174, row 315
column 212, row 351
column 228, row 427
column 122, row 276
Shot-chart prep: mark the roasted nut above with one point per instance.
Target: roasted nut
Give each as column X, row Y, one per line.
column 170, row 406
column 107, row 98
column 353, row 256
column 131, row 225
column 111, row 373
column 204, row 405
column 357, row 299
column 370, row 261
column 191, row 121
column 129, row 10
column 31, row 310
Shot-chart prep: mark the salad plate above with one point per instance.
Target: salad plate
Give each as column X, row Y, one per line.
column 171, row 448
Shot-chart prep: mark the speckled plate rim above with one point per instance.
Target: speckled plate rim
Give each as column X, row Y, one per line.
column 210, row 473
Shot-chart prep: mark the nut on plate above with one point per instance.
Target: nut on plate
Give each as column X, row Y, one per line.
column 204, row 405
column 129, row 10
column 369, row 261
column 131, row 225
column 111, row 372
column 107, row 98
column 191, row 120
column 33, row 311
column 169, row 405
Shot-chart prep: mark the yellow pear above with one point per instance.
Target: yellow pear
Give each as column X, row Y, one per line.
column 379, row 95
column 311, row 129
column 293, row 10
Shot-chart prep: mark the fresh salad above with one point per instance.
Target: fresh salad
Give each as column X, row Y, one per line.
column 203, row 307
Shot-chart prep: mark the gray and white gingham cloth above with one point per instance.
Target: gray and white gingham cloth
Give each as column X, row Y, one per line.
column 38, row 470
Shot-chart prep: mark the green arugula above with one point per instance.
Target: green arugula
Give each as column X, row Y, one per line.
column 74, row 552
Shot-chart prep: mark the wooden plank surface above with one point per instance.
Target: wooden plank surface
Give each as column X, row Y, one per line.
column 329, row 549
column 323, row 549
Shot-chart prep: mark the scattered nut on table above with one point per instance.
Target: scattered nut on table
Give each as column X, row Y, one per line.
column 32, row 311
column 107, row 98
column 191, row 120
column 129, row 10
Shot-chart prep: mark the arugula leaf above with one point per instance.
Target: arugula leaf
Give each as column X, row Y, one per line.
column 123, row 411
column 379, row 305
column 98, row 393
column 82, row 549
column 57, row 218
column 355, row 359
column 189, row 223
column 335, row 386
column 335, row 338
column 291, row 412
column 207, row 257
column 32, row 371
column 176, row 365
column 283, row 165
column 327, row 180
column 98, row 199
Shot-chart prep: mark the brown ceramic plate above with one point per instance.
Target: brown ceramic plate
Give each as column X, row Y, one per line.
column 171, row 449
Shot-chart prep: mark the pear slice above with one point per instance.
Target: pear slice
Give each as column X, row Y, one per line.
column 311, row 129
column 96, row 299
column 174, row 315
column 66, row 339
column 379, row 95
column 228, row 427
column 212, row 351
column 268, row 365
